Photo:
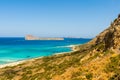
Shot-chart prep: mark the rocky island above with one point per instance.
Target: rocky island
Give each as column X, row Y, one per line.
column 31, row 37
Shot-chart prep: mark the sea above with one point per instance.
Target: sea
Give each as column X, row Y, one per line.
column 17, row 49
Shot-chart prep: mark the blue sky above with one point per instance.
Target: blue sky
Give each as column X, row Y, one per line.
column 56, row 18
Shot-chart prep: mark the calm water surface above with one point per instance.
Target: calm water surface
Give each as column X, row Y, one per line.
column 15, row 49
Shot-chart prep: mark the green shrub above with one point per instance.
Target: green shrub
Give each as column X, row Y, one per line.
column 115, row 77
column 89, row 76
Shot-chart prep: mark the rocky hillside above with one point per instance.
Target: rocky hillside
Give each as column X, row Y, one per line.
column 98, row 59
column 109, row 38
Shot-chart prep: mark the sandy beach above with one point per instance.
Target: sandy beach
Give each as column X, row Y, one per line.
column 12, row 64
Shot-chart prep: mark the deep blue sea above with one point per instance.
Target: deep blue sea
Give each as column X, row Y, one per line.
column 16, row 49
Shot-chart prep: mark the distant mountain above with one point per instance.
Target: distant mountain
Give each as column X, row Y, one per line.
column 98, row 59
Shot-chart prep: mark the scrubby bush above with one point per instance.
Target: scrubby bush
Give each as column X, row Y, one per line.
column 89, row 76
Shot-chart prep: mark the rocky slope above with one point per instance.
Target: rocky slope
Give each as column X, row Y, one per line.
column 98, row 59
column 109, row 38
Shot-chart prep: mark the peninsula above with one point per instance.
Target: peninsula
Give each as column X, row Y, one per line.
column 31, row 37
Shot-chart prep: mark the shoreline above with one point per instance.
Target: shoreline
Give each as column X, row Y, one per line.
column 22, row 61
column 18, row 62
column 11, row 64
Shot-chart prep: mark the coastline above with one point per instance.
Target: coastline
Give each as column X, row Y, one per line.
column 32, row 59
column 11, row 64
column 17, row 62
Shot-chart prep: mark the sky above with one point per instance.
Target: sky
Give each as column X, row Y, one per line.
column 56, row 18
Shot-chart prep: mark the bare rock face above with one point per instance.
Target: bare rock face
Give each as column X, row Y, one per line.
column 30, row 37
column 109, row 37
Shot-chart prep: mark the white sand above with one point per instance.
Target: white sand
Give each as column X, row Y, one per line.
column 17, row 62
column 11, row 64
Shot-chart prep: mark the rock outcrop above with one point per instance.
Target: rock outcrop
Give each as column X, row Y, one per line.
column 109, row 38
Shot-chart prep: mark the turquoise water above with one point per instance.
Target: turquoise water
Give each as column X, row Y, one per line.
column 16, row 49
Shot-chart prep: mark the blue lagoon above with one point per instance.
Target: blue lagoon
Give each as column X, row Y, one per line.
column 16, row 49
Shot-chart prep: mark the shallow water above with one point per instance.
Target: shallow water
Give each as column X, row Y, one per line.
column 15, row 49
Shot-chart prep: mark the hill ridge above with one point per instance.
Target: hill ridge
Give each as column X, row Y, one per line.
column 110, row 37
